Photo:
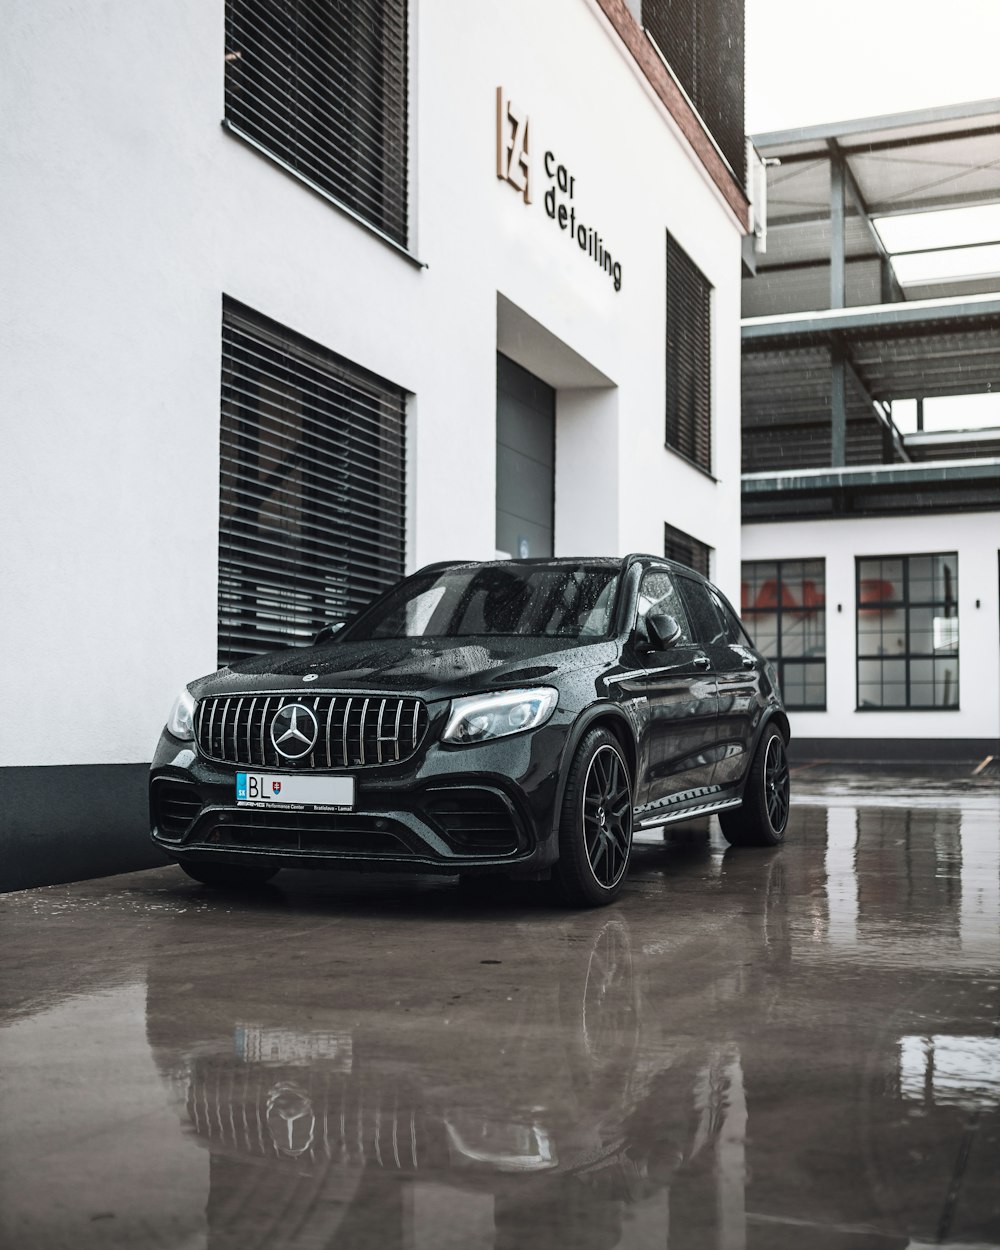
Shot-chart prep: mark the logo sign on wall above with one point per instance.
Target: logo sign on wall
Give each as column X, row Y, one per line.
column 514, row 167
column 513, row 162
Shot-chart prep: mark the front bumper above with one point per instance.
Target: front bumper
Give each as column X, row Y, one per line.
column 483, row 808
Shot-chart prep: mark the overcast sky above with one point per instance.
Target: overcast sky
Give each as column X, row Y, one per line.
column 810, row 62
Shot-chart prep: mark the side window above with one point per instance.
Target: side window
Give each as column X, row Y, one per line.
column 735, row 633
column 657, row 593
column 705, row 617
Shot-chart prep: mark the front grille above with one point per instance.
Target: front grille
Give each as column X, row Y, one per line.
column 175, row 808
column 353, row 730
column 346, row 1120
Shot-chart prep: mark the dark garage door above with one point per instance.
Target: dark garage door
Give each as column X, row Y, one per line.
column 526, row 439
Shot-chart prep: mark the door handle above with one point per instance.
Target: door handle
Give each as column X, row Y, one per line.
column 702, row 661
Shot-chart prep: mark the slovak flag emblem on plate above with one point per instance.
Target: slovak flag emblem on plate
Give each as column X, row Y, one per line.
column 276, row 787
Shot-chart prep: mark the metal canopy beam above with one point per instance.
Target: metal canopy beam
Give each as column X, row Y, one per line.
column 866, row 125
column 896, row 474
column 918, row 314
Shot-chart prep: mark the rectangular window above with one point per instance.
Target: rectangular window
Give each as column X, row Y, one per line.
column 686, row 550
column 783, row 603
column 321, row 85
column 311, row 490
column 908, row 632
column 689, row 358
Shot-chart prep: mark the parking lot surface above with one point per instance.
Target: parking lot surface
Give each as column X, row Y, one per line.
column 750, row 1049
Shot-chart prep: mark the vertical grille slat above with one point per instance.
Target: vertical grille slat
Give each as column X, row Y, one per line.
column 329, row 721
column 263, row 722
column 353, row 731
column 347, row 716
column 378, row 730
column 399, row 717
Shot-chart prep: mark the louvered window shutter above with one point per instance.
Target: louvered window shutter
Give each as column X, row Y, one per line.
column 686, row 550
column 704, row 46
column 311, row 492
column 689, row 358
column 321, row 85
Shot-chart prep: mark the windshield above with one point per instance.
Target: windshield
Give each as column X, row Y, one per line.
column 564, row 601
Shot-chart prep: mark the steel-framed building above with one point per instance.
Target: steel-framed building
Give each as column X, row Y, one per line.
column 871, row 551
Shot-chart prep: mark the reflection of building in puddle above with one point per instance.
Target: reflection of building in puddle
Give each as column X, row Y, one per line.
column 980, row 906
column 842, row 876
column 949, row 1071
column 933, row 871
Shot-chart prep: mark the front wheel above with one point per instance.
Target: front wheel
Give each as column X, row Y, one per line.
column 228, row 876
column 595, row 827
column 763, row 817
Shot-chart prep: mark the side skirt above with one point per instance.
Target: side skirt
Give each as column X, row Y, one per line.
column 674, row 815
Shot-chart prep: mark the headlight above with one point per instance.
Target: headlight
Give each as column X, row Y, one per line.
column 495, row 715
column 180, row 722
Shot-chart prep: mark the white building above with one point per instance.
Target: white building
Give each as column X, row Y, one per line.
column 346, row 224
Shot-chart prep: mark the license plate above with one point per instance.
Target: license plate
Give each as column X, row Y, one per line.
column 321, row 794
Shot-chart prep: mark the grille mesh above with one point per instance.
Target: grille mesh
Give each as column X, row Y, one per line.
column 354, row 730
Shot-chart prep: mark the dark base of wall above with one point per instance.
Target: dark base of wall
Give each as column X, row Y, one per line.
column 73, row 821
column 892, row 750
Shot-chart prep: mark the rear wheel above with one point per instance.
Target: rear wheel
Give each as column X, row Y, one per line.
column 228, row 876
column 595, row 828
column 763, row 817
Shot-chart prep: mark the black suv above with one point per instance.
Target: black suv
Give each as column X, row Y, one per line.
column 517, row 717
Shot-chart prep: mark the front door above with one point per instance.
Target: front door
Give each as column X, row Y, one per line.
column 738, row 675
column 677, row 742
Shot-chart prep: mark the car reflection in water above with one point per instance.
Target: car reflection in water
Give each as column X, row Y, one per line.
column 807, row 1056
column 316, row 1129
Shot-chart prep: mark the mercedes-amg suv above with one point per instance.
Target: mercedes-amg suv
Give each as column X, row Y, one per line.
column 517, row 717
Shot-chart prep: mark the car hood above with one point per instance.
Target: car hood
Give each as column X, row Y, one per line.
column 431, row 668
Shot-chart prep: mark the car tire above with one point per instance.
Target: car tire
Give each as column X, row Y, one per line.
column 228, row 876
column 763, row 816
column 595, row 825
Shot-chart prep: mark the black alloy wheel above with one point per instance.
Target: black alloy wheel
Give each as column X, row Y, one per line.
column 228, row 876
column 763, row 817
column 595, row 831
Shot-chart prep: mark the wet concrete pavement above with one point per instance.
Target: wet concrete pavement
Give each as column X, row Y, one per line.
column 750, row 1049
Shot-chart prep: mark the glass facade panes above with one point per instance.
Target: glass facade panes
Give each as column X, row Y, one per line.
column 908, row 631
column 783, row 604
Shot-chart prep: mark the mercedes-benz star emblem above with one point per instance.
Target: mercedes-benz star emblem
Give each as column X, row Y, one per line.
column 294, row 730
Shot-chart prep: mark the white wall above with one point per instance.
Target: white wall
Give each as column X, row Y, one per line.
column 129, row 213
column 976, row 538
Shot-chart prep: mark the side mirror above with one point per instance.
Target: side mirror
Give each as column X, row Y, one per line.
column 328, row 631
column 663, row 630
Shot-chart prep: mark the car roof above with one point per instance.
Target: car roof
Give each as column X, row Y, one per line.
column 622, row 562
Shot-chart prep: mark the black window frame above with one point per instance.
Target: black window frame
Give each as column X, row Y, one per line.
column 688, row 374
column 907, row 606
column 780, row 661
column 312, row 486
column 322, row 89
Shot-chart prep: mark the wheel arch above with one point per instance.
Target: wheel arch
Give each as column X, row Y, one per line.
column 775, row 716
column 598, row 716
